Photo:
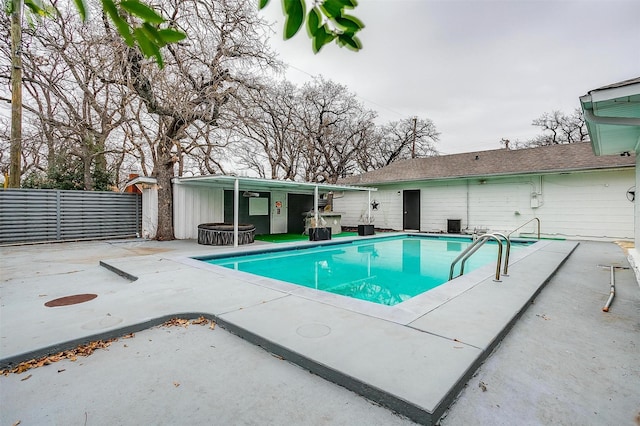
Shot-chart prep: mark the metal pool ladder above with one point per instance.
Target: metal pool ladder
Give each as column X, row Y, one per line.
column 481, row 241
column 466, row 254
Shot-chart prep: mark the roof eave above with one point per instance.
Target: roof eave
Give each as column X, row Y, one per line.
column 612, row 115
column 494, row 175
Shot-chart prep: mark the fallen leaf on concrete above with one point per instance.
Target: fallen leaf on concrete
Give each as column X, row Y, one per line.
column 17, row 423
column 176, row 322
column 176, row 384
column 26, row 378
column 482, row 386
column 82, row 350
column 200, row 321
column 129, row 336
column 212, row 326
column 543, row 316
column 61, row 370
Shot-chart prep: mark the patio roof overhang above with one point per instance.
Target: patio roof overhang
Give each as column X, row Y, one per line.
column 256, row 184
column 612, row 114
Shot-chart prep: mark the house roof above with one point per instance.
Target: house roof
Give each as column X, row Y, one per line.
column 612, row 114
column 498, row 162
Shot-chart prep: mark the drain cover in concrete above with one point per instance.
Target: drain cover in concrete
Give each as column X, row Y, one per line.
column 70, row 300
column 313, row 330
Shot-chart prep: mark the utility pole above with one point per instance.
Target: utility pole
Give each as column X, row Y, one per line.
column 15, row 153
column 413, row 147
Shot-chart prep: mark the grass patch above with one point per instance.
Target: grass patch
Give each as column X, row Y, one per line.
column 289, row 238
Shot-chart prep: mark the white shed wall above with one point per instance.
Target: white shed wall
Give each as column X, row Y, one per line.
column 193, row 205
column 574, row 205
column 149, row 212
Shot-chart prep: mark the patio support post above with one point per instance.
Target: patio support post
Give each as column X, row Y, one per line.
column 369, row 208
column 315, row 203
column 236, row 204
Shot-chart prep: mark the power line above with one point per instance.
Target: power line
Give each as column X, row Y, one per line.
column 357, row 96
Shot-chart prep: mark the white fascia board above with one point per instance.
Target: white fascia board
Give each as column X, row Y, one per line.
column 614, row 93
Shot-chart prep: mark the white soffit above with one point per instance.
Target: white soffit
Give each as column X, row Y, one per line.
column 612, row 114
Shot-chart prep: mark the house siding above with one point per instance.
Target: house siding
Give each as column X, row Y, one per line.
column 589, row 204
column 194, row 205
column 150, row 212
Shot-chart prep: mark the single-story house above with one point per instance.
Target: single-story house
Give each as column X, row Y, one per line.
column 574, row 193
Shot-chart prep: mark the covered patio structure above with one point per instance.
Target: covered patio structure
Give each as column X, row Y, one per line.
column 273, row 206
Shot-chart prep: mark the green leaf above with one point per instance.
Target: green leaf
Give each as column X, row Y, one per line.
column 125, row 31
column 322, row 37
column 262, row 4
column 350, row 41
column 35, row 6
column 148, row 47
column 349, row 23
column 82, row 9
column 313, row 21
column 169, row 35
column 110, row 7
column 332, row 8
column 295, row 11
column 152, row 34
column 121, row 25
column 349, row 4
column 142, row 11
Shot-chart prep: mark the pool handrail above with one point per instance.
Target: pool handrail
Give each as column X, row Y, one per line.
column 472, row 249
column 507, row 252
column 506, row 256
column 525, row 224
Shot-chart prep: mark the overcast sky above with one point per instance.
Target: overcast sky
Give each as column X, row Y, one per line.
column 481, row 70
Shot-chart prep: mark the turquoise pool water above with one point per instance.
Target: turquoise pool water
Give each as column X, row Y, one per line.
column 386, row 270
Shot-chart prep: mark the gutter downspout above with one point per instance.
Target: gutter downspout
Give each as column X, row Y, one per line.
column 467, row 227
column 236, row 204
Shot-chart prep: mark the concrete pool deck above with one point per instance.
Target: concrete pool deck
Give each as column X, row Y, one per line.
column 415, row 366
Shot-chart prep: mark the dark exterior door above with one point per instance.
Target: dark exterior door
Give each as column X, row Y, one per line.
column 411, row 209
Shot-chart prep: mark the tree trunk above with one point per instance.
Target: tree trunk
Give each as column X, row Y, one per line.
column 15, row 153
column 164, row 173
column 86, row 173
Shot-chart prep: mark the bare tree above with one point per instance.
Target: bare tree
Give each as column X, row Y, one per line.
column 267, row 125
column 75, row 108
column 559, row 128
column 334, row 127
column 199, row 78
column 407, row 138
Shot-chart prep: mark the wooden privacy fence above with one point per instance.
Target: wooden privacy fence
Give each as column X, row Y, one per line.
column 37, row 215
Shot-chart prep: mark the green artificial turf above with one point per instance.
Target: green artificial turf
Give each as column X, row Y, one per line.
column 288, row 238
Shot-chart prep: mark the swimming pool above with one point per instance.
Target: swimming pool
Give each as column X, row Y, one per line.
column 383, row 270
